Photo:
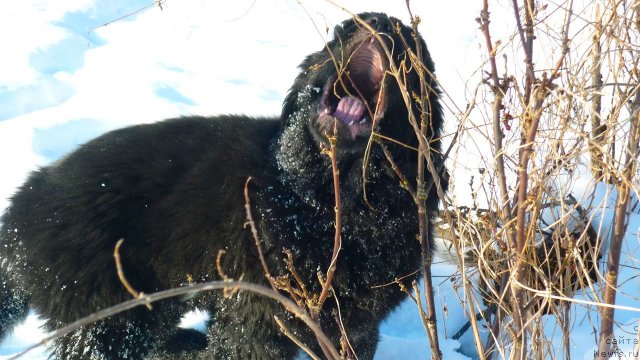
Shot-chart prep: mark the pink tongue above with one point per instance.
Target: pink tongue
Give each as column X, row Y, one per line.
column 350, row 110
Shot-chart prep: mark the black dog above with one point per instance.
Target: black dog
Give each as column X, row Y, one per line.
column 174, row 192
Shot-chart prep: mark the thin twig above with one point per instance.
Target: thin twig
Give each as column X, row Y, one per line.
column 598, row 129
column 254, row 233
column 337, row 240
column 122, row 277
column 404, row 182
column 296, row 277
column 287, row 303
column 293, row 338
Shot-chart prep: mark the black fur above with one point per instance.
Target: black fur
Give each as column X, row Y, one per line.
column 174, row 191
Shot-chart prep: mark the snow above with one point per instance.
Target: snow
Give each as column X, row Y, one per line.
column 72, row 77
column 195, row 319
column 23, row 336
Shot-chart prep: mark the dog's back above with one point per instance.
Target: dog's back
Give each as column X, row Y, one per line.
column 59, row 232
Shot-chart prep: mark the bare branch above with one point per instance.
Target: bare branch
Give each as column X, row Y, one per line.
column 619, row 227
column 254, row 233
column 293, row 338
column 287, row 303
column 122, row 277
column 597, row 127
column 337, row 240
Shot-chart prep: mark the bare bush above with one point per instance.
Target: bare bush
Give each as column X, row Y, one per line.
column 556, row 108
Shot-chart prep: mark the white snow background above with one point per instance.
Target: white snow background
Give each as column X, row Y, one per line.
column 75, row 69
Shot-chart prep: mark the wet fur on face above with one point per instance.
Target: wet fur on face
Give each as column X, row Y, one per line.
column 173, row 191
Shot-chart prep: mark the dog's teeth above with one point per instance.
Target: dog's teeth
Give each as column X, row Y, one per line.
column 351, row 123
column 363, row 121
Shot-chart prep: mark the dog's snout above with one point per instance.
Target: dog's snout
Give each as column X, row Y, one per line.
column 379, row 23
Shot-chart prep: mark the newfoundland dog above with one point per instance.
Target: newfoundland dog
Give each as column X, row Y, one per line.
column 174, row 191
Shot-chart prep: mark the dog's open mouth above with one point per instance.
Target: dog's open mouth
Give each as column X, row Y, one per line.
column 355, row 95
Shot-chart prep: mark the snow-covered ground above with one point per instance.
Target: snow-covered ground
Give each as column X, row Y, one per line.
column 75, row 69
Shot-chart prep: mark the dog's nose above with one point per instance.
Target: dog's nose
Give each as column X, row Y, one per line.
column 378, row 23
